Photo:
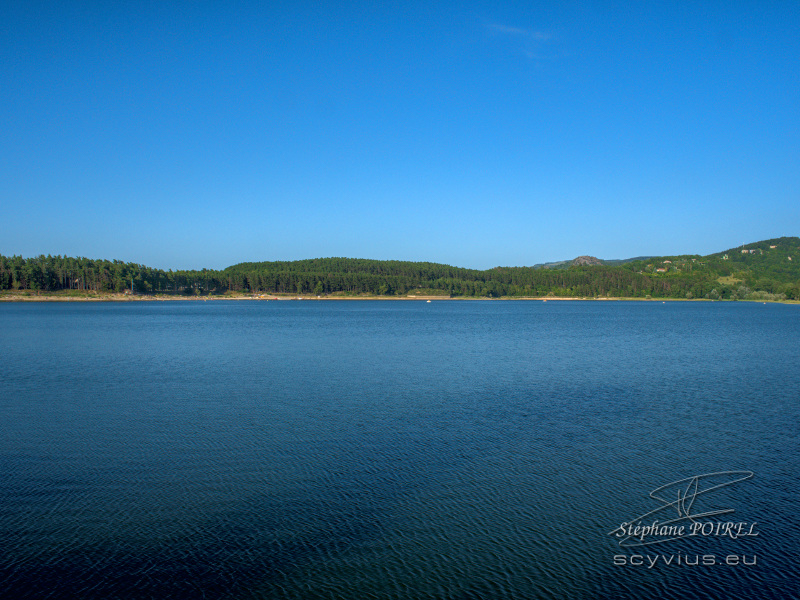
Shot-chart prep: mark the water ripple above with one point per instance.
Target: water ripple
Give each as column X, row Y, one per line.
column 387, row 450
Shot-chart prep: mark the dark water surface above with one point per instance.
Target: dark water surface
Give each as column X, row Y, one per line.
column 366, row 449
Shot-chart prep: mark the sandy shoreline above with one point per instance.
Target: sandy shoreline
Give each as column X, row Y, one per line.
column 269, row 298
column 95, row 297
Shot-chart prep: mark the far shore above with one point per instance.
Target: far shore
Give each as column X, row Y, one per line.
column 72, row 296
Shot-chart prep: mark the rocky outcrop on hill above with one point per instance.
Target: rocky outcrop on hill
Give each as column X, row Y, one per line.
column 586, row 260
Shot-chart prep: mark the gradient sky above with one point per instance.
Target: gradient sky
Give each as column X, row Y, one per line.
column 203, row 134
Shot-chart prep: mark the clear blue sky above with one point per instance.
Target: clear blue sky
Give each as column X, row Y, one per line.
column 202, row 134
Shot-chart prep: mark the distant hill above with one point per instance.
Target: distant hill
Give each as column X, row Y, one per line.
column 621, row 261
column 766, row 270
column 586, row 261
column 561, row 264
column 566, row 264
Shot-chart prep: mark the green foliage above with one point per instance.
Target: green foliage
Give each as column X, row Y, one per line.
column 760, row 272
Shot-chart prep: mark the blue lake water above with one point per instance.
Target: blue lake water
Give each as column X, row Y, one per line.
column 368, row 449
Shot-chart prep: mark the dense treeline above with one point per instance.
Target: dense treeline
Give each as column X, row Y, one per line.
column 55, row 273
column 766, row 270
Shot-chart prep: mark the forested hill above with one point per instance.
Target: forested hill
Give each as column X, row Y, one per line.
column 764, row 270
